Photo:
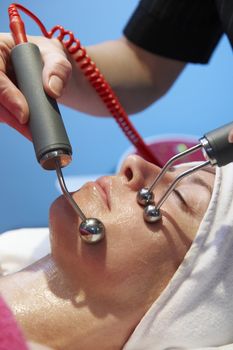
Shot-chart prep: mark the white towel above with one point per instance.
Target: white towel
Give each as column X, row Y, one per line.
column 196, row 308
column 20, row 248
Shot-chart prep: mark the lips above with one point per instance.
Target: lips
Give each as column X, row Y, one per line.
column 103, row 186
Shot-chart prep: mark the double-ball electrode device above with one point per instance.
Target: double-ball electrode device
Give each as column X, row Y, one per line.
column 217, row 151
column 49, row 137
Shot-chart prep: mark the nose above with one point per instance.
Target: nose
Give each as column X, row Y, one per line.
column 138, row 172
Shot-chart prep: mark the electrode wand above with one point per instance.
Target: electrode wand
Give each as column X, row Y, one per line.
column 49, row 137
column 217, row 150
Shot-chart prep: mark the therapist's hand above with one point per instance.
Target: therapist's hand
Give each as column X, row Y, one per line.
column 13, row 106
column 230, row 136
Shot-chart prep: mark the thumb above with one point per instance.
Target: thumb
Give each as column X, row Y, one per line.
column 57, row 68
column 56, row 73
column 230, row 136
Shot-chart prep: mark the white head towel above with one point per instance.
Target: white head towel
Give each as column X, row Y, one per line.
column 196, row 308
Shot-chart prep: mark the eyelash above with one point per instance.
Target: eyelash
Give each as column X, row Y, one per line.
column 181, row 198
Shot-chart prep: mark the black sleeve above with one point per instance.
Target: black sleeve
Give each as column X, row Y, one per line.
column 185, row 30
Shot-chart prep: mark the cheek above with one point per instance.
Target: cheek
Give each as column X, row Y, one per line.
column 131, row 244
column 125, row 238
column 141, row 259
column 64, row 222
column 133, row 257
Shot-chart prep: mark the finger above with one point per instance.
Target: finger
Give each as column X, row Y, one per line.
column 56, row 72
column 230, row 136
column 6, row 45
column 9, row 119
column 12, row 99
column 57, row 68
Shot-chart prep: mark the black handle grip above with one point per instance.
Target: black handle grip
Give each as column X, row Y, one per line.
column 218, row 147
column 48, row 132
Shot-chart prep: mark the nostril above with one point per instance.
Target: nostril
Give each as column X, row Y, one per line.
column 128, row 173
column 134, row 171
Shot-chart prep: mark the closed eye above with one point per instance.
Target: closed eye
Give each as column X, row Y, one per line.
column 181, row 198
column 186, row 206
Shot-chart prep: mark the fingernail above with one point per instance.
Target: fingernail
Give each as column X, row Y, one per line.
column 56, row 85
column 20, row 115
column 230, row 137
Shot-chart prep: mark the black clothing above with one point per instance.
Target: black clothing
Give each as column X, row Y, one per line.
column 186, row 30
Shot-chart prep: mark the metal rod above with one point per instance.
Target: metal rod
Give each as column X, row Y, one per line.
column 177, row 179
column 171, row 161
column 66, row 192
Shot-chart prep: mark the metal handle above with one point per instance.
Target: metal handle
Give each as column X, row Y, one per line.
column 49, row 136
column 217, row 147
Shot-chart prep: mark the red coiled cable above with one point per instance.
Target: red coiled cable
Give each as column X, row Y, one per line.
column 91, row 72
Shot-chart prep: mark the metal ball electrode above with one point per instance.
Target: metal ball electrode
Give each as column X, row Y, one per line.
column 151, row 214
column 145, row 197
column 92, row 230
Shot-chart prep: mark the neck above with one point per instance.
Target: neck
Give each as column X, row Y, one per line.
column 53, row 310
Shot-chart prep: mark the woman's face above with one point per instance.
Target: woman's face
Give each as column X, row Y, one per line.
column 136, row 260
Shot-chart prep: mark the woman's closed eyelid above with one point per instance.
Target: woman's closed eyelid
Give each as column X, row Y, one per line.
column 189, row 195
column 187, row 203
column 184, row 204
column 180, row 196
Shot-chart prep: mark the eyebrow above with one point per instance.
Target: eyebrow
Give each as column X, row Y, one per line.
column 199, row 181
column 209, row 169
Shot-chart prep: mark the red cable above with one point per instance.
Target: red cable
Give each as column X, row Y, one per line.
column 90, row 70
column 17, row 26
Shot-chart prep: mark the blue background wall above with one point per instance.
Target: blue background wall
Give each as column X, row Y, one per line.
column 200, row 100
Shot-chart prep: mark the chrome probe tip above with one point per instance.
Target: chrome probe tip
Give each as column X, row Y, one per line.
column 151, row 214
column 91, row 230
column 145, row 197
